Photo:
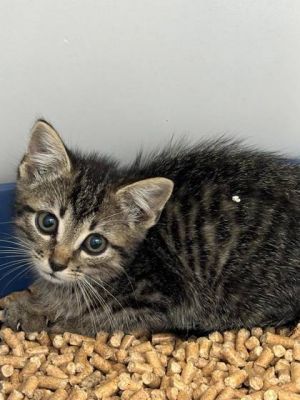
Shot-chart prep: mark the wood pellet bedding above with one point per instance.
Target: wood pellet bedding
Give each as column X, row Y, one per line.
column 256, row 364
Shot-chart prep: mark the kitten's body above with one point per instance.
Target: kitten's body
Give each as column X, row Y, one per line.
column 224, row 253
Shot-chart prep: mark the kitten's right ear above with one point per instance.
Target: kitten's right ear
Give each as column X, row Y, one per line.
column 46, row 154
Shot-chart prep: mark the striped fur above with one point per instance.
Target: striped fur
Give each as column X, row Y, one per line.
column 205, row 261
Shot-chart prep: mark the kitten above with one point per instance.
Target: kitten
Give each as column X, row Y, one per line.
column 189, row 239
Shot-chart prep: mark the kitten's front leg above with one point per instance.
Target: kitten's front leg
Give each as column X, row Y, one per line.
column 128, row 320
column 24, row 311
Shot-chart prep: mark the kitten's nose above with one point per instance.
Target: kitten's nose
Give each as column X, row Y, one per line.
column 56, row 266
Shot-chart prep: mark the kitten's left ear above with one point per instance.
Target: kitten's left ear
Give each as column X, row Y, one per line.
column 144, row 200
column 46, row 154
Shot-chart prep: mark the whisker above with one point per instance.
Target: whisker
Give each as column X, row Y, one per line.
column 16, row 259
column 11, row 254
column 92, row 300
column 17, row 238
column 12, row 250
column 130, row 283
column 104, row 304
column 13, row 270
column 83, row 291
column 21, row 273
column 74, row 286
column 98, row 299
column 12, row 263
column 17, row 243
column 108, row 292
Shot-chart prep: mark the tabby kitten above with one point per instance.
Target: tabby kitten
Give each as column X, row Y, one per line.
column 194, row 238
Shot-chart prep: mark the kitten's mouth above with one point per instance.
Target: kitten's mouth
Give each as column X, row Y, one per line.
column 50, row 277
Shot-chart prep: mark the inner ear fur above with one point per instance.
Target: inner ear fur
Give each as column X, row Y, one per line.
column 144, row 200
column 46, row 153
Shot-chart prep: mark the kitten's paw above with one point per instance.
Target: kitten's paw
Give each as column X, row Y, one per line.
column 15, row 314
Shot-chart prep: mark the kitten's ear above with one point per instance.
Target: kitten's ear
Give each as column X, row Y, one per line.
column 46, row 154
column 144, row 200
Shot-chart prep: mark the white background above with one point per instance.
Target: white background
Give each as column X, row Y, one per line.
column 114, row 75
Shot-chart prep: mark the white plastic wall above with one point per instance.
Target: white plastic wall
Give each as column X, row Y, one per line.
column 115, row 75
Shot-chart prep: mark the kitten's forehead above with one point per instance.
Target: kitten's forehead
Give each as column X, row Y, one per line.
column 87, row 194
column 71, row 230
column 82, row 195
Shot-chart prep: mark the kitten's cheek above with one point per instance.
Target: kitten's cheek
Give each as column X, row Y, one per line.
column 42, row 266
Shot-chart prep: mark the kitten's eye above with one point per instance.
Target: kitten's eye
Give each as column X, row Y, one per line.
column 94, row 244
column 46, row 222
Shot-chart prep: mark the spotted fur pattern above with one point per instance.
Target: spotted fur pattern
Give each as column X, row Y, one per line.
column 222, row 251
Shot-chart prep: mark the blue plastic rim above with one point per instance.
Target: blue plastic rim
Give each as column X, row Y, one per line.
column 14, row 275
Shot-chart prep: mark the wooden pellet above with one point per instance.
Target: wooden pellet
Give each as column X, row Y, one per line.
column 15, row 361
column 116, row 339
column 159, row 338
column 270, row 395
column 192, row 351
column 101, row 363
column 210, row 394
column 43, row 339
column 252, row 342
column 251, row 364
column 140, row 395
column 256, row 382
column 279, row 350
column 236, row 379
column 4, row 349
column 59, row 394
column 265, row 357
column 49, row 382
column 29, row 386
column 151, row 380
column 165, row 348
column 296, row 351
column 58, row 341
column 233, row 357
column 6, row 371
column 142, row 347
column 204, row 347
column 127, row 383
column 53, row 370
column 62, row 359
column 241, row 337
column 104, row 350
column 273, row 339
column 77, row 394
column 282, row 395
column 106, row 389
column 15, row 395
column 140, row 368
column 12, row 340
column 153, row 359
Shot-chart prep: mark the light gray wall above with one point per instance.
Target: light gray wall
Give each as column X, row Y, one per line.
column 117, row 74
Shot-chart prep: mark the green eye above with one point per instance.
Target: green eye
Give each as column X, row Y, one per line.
column 94, row 244
column 46, row 222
